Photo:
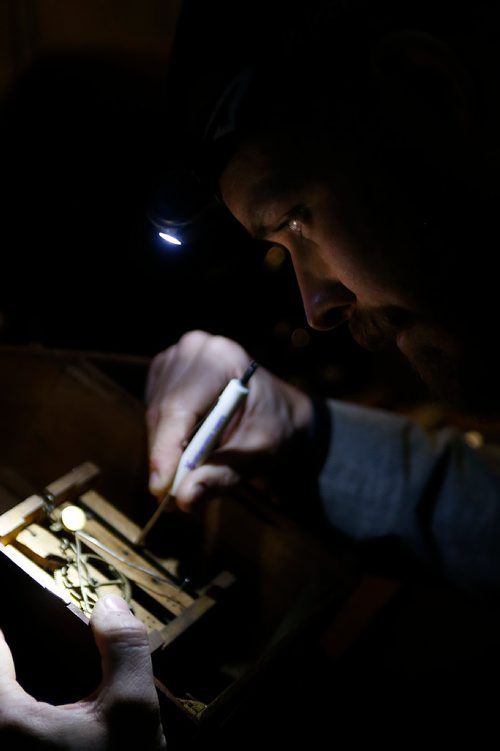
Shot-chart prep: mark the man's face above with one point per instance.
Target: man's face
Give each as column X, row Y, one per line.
column 366, row 261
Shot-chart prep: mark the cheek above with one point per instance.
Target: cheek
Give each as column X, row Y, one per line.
column 337, row 252
column 364, row 274
column 376, row 272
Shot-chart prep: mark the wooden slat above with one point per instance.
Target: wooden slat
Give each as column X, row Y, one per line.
column 106, row 510
column 164, row 592
column 36, row 543
column 42, row 577
column 75, row 481
column 31, row 508
column 13, row 521
column 124, row 525
column 197, row 609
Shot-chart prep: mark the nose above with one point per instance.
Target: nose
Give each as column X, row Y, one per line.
column 327, row 302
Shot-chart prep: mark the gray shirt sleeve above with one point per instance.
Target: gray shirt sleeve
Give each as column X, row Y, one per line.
column 385, row 476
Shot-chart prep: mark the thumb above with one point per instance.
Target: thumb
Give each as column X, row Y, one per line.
column 122, row 640
column 127, row 695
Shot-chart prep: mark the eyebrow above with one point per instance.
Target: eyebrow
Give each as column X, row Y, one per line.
column 262, row 197
column 257, row 208
column 259, row 229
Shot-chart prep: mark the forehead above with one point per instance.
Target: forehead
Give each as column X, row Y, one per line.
column 252, row 184
column 240, row 183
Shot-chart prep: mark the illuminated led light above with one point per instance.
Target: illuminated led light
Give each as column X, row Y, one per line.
column 169, row 238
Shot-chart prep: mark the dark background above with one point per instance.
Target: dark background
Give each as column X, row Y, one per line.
column 94, row 107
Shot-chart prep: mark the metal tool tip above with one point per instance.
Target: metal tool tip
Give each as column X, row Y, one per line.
column 249, row 372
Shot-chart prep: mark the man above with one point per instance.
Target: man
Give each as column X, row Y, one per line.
column 367, row 147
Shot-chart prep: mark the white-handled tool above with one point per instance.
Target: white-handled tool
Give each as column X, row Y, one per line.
column 205, row 438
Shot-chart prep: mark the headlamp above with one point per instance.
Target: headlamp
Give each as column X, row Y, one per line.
column 183, row 209
column 186, row 203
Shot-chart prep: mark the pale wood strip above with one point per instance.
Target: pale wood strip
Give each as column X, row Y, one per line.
column 40, row 543
column 30, row 509
column 123, row 524
column 16, row 518
column 164, row 592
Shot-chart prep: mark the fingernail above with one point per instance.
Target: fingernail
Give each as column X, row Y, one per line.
column 114, row 604
column 156, row 482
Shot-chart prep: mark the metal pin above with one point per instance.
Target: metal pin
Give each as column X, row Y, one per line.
column 164, row 503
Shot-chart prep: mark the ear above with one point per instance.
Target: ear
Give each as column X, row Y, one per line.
column 423, row 81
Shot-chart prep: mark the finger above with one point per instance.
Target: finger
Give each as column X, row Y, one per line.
column 203, row 483
column 171, row 423
column 166, row 445
column 124, row 648
column 127, row 695
column 171, row 365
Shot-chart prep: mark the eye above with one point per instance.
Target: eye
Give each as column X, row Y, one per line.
column 296, row 219
column 295, row 225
